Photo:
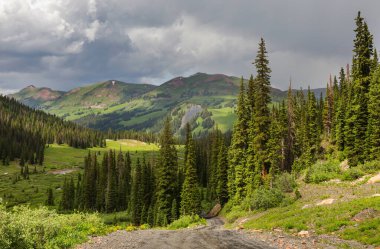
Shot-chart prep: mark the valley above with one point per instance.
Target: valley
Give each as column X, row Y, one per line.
column 203, row 161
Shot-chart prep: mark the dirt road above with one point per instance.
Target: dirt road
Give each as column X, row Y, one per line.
column 211, row 236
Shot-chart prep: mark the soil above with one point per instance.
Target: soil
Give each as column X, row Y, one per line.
column 211, row 236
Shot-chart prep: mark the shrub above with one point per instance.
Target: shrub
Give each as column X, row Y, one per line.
column 24, row 228
column 352, row 174
column 263, row 198
column 370, row 167
column 322, row 171
column 285, row 182
column 187, row 221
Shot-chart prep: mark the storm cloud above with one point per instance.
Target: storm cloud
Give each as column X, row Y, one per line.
column 67, row 43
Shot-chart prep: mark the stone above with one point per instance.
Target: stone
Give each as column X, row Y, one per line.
column 303, row 233
column 374, row 179
column 326, row 202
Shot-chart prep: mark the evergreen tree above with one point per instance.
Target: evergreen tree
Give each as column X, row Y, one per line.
column 357, row 119
column 259, row 130
column 239, row 144
column 373, row 131
column 222, row 187
column 50, row 197
column 190, row 196
column 111, row 198
column 167, row 169
column 137, row 194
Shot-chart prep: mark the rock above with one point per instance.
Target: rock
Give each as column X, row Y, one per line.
column 307, row 206
column 374, row 179
column 303, row 233
column 376, row 195
column 367, row 213
column 344, row 165
column 214, row 211
column 326, row 202
column 277, row 230
column 335, row 181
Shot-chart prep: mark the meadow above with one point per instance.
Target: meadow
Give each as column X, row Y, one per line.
column 60, row 161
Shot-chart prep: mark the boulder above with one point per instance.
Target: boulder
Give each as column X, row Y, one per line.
column 374, row 179
column 304, row 234
column 214, row 211
column 326, row 202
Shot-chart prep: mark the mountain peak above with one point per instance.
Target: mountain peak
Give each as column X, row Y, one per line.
column 30, row 87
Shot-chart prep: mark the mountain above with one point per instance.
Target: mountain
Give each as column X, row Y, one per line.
column 201, row 99
column 34, row 96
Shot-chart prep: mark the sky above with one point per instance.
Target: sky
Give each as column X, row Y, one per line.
column 64, row 44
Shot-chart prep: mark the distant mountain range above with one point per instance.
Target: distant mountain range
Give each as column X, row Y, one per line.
column 201, row 99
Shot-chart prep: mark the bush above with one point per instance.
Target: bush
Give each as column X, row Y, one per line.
column 370, row 167
column 352, row 174
column 322, row 171
column 24, row 228
column 187, row 221
column 285, row 182
column 263, row 198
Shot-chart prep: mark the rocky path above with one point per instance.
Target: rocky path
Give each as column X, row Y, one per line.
column 211, row 236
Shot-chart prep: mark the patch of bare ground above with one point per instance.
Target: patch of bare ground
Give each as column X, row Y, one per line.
column 62, row 171
column 303, row 240
column 211, row 236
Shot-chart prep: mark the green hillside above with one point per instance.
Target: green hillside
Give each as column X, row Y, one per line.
column 204, row 100
column 35, row 96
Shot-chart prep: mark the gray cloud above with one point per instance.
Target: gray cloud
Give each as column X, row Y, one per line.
column 63, row 44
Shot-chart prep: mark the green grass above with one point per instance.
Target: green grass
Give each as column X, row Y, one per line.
column 59, row 157
column 335, row 218
column 187, row 221
column 224, row 117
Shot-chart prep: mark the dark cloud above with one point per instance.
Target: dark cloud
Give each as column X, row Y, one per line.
column 63, row 44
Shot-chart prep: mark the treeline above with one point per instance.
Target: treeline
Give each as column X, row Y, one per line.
column 25, row 131
column 144, row 136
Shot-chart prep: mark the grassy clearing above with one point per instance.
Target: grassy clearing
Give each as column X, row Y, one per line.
column 333, row 219
column 224, row 117
column 59, row 157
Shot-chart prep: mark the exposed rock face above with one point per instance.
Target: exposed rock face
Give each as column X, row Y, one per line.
column 191, row 113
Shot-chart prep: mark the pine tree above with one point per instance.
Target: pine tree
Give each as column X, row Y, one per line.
column 237, row 150
column 357, row 120
column 122, row 182
column 222, row 179
column 111, row 198
column 259, row 130
column 50, row 197
column 190, row 196
column 341, row 110
column 167, row 169
column 291, row 126
column 373, row 131
column 137, row 194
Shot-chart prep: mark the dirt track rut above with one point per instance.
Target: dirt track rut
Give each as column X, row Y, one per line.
column 211, row 236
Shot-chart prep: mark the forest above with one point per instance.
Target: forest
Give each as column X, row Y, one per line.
column 267, row 141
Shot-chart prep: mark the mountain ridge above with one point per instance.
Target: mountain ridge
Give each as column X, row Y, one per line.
column 118, row 105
